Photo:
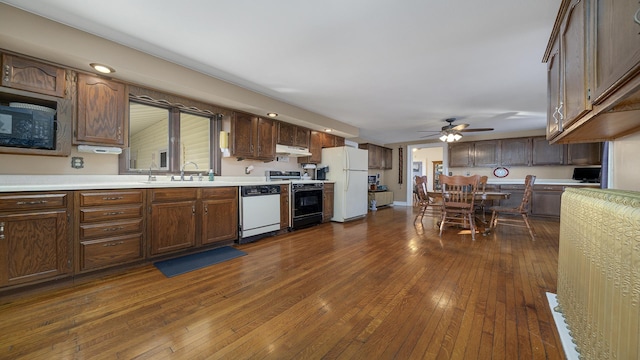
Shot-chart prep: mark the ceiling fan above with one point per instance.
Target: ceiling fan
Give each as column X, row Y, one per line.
column 450, row 132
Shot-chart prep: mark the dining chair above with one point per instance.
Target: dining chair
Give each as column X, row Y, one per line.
column 423, row 200
column 458, row 196
column 522, row 210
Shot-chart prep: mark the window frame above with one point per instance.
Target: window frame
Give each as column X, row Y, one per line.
column 176, row 105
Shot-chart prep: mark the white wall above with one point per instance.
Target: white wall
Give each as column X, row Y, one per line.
column 625, row 164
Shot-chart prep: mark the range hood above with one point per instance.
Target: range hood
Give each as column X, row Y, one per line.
column 293, row 151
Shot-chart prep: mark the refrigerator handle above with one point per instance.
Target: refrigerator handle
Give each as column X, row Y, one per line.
column 347, row 161
column 348, row 180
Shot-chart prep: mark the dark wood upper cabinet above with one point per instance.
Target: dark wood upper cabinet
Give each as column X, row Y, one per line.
column 545, row 153
column 573, row 47
column 292, row 135
column 486, row 153
column 315, row 148
column 34, row 76
column 252, row 137
column 302, row 137
column 379, row 157
column 584, row 154
column 515, row 152
column 101, row 112
column 460, row 154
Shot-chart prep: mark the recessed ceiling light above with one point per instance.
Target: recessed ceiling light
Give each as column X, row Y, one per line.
column 272, row 114
column 102, row 68
column 327, row 130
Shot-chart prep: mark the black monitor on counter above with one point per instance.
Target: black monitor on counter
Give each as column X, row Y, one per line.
column 588, row 175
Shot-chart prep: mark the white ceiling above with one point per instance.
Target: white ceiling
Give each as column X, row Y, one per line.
column 389, row 67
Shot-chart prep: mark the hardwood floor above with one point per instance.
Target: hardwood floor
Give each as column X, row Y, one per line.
column 379, row 288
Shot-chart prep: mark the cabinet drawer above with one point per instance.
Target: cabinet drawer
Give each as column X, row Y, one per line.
column 110, row 229
column 112, row 251
column 548, row 187
column 174, row 194
column 220, row 193
column 512, row 187
column 110, row 213
column 18, row 202
column 99, row 198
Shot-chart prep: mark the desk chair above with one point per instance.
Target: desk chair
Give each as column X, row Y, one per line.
column 458, row 196
column 522, row 209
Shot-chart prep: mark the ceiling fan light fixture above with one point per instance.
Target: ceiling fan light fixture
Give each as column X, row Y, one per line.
column 450, row 137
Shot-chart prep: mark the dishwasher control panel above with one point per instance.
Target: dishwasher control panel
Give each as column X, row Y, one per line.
column 258, row 190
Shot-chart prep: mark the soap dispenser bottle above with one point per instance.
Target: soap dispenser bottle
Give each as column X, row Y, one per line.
column 210, row 174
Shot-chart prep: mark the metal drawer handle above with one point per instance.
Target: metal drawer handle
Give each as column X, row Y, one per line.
column 113, row 198
column 636, row 17
column 114, row 228
column 114, row 213
column 39, row 202
column 114, row 244
column 1, row 230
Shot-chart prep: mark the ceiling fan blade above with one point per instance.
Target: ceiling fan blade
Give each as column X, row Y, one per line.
column 476, row 129
column 433, row 131
column 427, row 136
column 459, row 127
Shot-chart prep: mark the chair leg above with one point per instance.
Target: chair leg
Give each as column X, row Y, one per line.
column 526, row 221
column 494, row 221
column 444, row 215
column 472, row 226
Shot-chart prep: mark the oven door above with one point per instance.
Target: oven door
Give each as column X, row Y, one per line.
column 307, row 207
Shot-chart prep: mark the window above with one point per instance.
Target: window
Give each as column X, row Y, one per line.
column 163, row 137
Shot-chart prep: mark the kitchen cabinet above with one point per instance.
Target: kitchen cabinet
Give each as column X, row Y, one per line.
column 545, row 153
column 616, row 45
column 252, row 137
column 573, row 57
column 34, row 237
column 172, row 219
column 285, row 207
column 555, row 102
column 328, row 140
column 382, row 198
column 219, row 215
column 34, row 76
column 102, row 112
column 584, row 154
column 515, row 152
column 460, row 154
column 486, row 153
column 315, row 148
column 545, row 200
column 110, row 228
column 379, row 157
column 327, row 201
column 292, row 135
column 599, row 82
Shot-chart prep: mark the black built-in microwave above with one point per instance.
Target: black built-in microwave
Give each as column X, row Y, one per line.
column 27, row 128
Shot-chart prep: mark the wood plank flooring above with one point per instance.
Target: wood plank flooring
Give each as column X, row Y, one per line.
column 378, row 288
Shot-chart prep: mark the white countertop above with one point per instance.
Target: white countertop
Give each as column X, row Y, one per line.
column 539, row 182
column 10, row 183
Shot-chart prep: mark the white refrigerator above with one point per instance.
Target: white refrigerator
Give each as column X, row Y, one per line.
column 348, row 169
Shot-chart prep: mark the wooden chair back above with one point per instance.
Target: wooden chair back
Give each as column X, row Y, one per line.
column 459, row 191
column 529, row 180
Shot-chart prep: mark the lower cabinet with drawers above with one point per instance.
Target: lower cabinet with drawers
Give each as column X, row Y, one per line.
column 110, row 228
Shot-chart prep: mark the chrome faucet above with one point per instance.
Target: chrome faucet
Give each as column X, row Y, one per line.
column 151, row 177
column 182, row 170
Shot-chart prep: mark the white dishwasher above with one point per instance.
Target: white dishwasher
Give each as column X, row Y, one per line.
column 259, row 211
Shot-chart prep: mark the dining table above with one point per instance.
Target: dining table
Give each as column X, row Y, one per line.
column 479, row 197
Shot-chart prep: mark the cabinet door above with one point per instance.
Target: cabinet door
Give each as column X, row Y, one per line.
column 173, row 226
column 286, row 133
column 545, row 153
column 266, row 139
column 242, row 136
column 327, row 202
column 339, row 141
column 101, row 111
column 315, row 148
column 617, row 45
column 29, row 75
column 486, row 153
column 460, row 154
column 584, row 154
column 302, row 137
column 285, row 208
column 554, row 102
column 33, row 246
column 387, row 158
column 545, row 200
column 515, row 152
column 573, row 49
column 220, row 220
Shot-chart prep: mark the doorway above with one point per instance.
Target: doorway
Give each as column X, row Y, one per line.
column 420, row 161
